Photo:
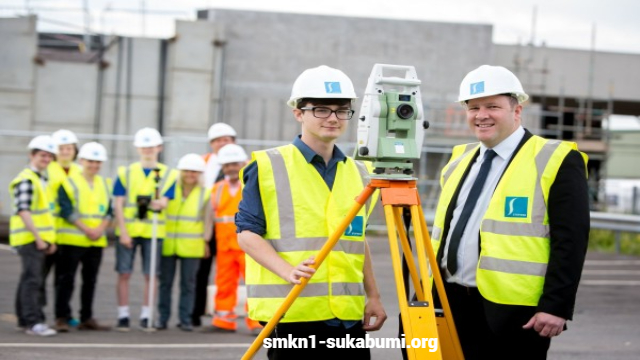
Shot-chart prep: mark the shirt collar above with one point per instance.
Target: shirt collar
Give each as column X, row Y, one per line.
column 507, row 146
column 309, row 154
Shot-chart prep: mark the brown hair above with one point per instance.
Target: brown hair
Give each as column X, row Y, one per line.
column 317, row 101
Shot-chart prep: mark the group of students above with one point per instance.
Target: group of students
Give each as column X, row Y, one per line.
column 510, row 231
column 62, row 210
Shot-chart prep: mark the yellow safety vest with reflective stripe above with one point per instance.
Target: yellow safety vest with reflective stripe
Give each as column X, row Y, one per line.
column 133, row 179
column 56, row 176
column 40, row 213
column 514, row 231
column 90, row 205
column 301, row 212
column 185, row 224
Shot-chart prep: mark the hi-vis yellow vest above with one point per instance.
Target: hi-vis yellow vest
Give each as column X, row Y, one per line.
column 91, row 204
column 301, row 212
column 185, row 224
column 57, row 176
column 514, row 231
column 40, row 213
column 137, row 184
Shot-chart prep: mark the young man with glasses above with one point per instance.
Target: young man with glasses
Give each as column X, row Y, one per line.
column 293, row 199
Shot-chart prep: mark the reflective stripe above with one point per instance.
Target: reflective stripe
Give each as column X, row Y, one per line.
column 17, row 231
column 225, row 219
column 39, row 212
column 313, row 289
column 539, row 207
column 187, row 218
column 145, row 221
column 513, row 266
column 515, row 229
column 366, row 178
column 454, row 164
column 81, row 216
column 436, row 233
column 285, row 200
column 185, row 236
column 315, row 244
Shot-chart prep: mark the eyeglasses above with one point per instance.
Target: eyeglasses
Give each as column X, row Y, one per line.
column 324, row 113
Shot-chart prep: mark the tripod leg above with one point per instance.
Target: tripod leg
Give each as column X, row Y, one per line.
column 418, row 317
column 408, row 254
column 447, row 328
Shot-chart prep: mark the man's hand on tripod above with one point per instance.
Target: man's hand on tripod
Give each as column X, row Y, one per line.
column 302, row 270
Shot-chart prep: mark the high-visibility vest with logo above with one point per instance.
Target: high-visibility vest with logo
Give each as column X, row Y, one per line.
column 301, row 212
column 91, row 204
column 133, row 179
column 514, row 231
column 40, row 213
column 225, row 207
column 185, row 224
column 56, row 176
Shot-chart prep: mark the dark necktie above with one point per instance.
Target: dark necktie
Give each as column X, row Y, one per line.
column 469, row 205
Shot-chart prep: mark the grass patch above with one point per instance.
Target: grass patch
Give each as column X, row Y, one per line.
column 604, row 241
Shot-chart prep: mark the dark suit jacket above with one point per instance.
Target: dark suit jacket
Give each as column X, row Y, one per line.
column 568, row 208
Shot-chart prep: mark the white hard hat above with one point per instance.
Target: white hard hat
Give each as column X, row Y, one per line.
column 490, row 80
column 147, row 137
column 93, row 151
column 219, row 130
column 64, row 137
column 193, row 162
column 231, row 153
column 322, row 82
column 44, row 143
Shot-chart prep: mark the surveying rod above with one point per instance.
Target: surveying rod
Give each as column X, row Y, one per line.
column 154, row 247
column 297, row 289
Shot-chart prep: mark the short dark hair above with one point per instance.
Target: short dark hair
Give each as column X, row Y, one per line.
column 317, row 101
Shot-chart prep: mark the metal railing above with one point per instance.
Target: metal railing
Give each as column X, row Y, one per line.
column 618, row 223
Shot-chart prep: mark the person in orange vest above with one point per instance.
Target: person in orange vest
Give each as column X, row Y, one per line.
column 225, row 197
column 219, row 135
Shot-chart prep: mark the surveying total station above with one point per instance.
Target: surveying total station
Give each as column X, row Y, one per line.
column 391, row 130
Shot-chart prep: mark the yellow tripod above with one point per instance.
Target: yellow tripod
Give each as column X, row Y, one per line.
column 419, row 317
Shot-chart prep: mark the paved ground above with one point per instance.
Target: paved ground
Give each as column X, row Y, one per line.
column 606, row 322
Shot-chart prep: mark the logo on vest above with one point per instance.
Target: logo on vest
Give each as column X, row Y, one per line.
column 516, row 207
column 356, row 228
column 332, row 88
column 101, row 208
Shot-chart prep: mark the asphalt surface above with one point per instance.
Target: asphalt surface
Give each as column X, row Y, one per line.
column 606, row 325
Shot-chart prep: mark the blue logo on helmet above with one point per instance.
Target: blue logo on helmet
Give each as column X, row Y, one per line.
column 332, row 88
column 477, row 88
column 516, row 207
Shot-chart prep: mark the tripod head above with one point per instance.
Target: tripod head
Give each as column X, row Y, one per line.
column 391, row 124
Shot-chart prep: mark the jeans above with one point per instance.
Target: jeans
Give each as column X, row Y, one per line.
column 188, row 270
column 69, row 257
column 29, row 295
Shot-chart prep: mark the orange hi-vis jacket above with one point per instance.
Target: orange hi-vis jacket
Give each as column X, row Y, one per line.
column 225, row 207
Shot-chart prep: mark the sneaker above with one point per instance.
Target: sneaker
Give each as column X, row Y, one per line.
column 41, row 330
column 161, row 325
column 123, row 324
column 92, row 324
column 62, row 325
column 185, row 327
column 144, row 323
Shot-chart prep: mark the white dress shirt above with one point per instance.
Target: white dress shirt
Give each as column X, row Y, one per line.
column 468, row 250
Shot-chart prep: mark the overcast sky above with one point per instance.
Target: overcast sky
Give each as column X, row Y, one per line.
column 559, row 23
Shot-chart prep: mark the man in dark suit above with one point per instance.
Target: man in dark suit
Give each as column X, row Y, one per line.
column 511, row 227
